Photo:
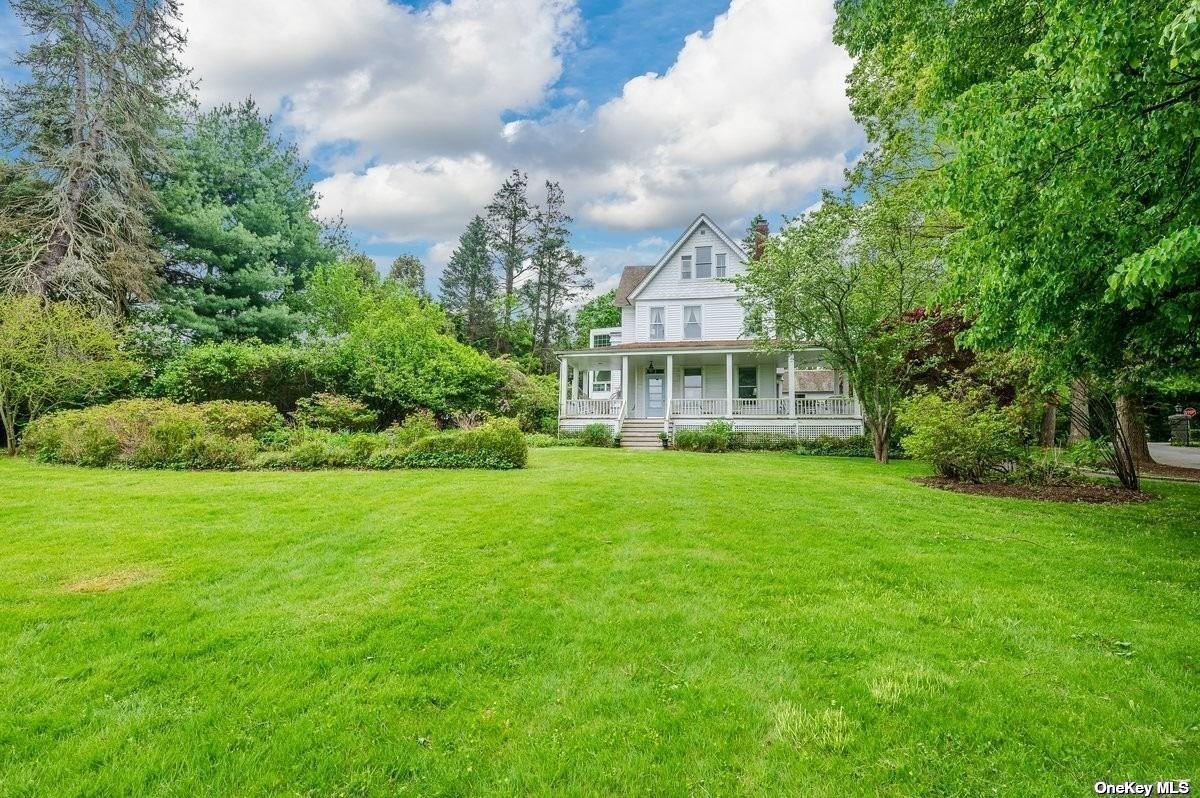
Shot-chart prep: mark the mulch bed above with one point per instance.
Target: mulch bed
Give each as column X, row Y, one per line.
column 1174, row 472
column 1088, row 493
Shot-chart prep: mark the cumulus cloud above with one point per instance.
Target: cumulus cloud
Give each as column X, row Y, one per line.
column 428, row 109
column 395, row 80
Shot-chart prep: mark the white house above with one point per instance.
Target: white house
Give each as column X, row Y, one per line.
column 681, row 358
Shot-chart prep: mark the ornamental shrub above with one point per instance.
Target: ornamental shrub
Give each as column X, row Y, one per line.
column 237, row 419
column 246, row 371
column 542, row 440
column 854, row 446
column 965, row 436
column 531, row 399
column 333, row 412
column 599, row 435
column 498, row 444
column 716, row 436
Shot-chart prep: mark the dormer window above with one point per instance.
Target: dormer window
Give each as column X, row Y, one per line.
column 685, row 267
column 703, row 262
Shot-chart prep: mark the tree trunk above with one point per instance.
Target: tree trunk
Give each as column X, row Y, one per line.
column 1131, row 418
column 10, row 432
column 880, row 434
column 1049, row 420
column 1081, row 417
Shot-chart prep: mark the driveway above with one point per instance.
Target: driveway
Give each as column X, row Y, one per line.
column 1180, row 456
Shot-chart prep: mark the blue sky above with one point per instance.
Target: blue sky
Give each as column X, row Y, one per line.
column 646, row 111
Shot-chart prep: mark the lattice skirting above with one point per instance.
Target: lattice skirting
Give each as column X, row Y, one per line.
column 795, row 430
column 577, row 425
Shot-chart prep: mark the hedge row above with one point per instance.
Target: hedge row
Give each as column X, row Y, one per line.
column 227, row 435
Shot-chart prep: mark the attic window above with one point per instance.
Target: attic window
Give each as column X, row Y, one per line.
column 685, row 267
column 721, row 264
column 703, row 262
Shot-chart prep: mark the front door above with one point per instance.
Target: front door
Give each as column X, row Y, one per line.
column 656, row 395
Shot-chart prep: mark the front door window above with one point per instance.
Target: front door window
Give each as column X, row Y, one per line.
column 656, row 395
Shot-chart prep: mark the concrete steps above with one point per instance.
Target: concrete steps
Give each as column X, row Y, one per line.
column 639, row 433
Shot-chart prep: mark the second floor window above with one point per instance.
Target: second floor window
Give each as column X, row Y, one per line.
column 691, row 321
column 658, row 324
column 685, row 268
column 721, row 264
column 600, row 341
column 703, row 262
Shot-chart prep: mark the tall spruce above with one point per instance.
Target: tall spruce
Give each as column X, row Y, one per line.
column 559, row 276
column 468, row 287
column 510, row 222
column 105, row 84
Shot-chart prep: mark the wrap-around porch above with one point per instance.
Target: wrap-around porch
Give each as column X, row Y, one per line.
column 742, row 385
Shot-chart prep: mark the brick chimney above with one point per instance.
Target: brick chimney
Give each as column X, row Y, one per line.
column 761, row 231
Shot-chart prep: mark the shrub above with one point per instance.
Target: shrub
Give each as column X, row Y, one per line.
column 531, row 399
column 595, row 435
column 238, row 419
column 497, row 444
column 964, row 436
column 1090, row 453
column 217, row 452
column 276, row 373
column 832, row 446
column 333, row 412
column 541, row 440
column 716, row 436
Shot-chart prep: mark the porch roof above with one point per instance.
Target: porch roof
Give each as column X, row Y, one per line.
column 675, row 347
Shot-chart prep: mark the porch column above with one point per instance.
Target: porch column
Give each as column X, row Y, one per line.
column 791, row 385
column 625, row 383
column 562, row 386
column 670, row 385
column 729, row 384
column 575, row 384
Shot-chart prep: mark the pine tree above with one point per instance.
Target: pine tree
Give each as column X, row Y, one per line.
column 510, row 220
column 104, row 83
column 560, row 276
column 468, row 286
column 409, row 272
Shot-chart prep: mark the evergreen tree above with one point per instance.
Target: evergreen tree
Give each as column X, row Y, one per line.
column 238, row 228
column 104, row 83
column 409, row 272
column 510, row 221
column 468, row 287
column 560, row 276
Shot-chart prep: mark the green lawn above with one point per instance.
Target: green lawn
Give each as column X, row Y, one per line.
column 602, row 623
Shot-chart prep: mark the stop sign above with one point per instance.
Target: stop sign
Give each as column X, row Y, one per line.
column 1189, row 412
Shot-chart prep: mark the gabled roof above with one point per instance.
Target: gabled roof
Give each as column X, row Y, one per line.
column 630, row 279
column 702, row 219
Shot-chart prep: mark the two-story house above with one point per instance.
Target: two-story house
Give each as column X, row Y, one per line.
column 681, row 358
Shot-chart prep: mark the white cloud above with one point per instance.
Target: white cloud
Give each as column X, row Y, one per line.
column 399, row 81
column 752, row 115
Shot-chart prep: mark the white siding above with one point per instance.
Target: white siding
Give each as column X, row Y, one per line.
column 628, row 328
column 722, row 319
column 668, row 285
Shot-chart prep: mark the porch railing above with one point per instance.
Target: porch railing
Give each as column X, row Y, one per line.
column 760, row 407
column 691, row 408
column 833, row 406
column 592, row 408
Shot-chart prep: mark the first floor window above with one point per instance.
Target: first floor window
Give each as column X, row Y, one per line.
column 691, row 321
column 658, row 324
column 721, row 264
column 602, row 381
column 693, row 384
column 747, row 384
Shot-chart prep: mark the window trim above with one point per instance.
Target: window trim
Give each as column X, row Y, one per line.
column 685, row 267
column 719, row 264
column 607, row 338
column 662, row 325
column 709, row 263
column 597, row 382
column 699, row 322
